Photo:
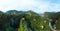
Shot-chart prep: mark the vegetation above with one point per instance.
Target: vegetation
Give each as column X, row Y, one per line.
column 27, row 21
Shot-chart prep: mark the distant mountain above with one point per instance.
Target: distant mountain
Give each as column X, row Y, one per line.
column 31, row 12
column 14, row 11
column 1, row 12
column 21, row 12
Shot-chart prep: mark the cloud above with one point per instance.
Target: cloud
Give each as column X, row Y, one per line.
column 10, row 4
column 38, row 6
column 54, row 7
column 50, row 6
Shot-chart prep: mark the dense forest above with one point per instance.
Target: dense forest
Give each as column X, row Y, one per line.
column 14, row 20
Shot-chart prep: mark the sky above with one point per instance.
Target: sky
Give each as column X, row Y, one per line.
column 39, row 6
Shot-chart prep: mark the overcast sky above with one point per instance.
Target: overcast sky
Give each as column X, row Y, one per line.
column 38, row 6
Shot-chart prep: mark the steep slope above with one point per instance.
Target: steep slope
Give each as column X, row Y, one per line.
column 32, row 22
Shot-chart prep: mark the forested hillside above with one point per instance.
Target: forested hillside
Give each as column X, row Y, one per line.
column 14, row 20
column 55, row 17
